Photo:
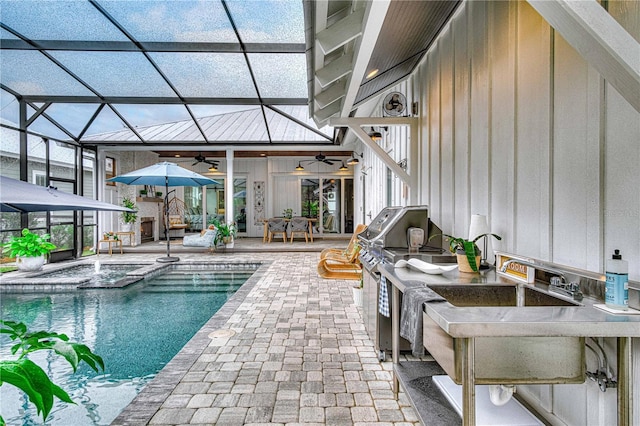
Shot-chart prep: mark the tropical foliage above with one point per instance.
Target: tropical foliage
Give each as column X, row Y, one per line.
column 458, row 245
column 29, row 376
column 225, row 232
column 29, row 245
column 128, row 217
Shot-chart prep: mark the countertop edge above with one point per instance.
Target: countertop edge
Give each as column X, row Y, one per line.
column 561, row 321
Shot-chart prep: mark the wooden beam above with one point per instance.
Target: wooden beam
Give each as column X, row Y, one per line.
column 600, row 39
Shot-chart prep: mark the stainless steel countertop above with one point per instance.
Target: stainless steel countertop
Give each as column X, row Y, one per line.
column 585, row 320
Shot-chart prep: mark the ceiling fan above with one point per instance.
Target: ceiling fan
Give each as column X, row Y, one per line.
column 202, row 159
column 320, row 158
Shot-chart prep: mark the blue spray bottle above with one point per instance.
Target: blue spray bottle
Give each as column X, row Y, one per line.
column 617, row 289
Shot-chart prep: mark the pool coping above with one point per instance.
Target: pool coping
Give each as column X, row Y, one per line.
column 143, row 407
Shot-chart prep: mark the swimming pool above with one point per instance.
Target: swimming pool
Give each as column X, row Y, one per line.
column 136, row 330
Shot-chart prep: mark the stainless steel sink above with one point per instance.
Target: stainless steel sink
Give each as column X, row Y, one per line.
column 499, row 295
column 507, row 360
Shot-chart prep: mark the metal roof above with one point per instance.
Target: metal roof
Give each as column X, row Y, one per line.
column 121, row 68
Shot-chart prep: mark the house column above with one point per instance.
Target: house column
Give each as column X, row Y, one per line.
column 228, row 189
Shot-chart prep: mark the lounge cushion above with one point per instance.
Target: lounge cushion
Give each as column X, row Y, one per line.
column 206, row 240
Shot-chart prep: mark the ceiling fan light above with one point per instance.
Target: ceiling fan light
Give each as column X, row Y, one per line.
column 343, row 167
column 299, row 167
column 213, row 168
column 352, row 161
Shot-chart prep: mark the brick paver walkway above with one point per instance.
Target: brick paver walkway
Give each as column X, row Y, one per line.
column 293, row 350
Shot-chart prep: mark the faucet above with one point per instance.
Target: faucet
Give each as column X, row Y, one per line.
column 557, row 284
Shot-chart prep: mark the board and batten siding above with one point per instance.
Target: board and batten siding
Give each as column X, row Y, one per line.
column 516, row 125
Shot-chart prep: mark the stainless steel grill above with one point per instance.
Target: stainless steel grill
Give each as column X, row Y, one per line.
column 385, row 241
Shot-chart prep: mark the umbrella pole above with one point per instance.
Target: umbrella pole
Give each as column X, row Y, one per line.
column 168, row 258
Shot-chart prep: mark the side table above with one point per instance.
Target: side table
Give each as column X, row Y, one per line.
column 110, row 242
column 129, row 234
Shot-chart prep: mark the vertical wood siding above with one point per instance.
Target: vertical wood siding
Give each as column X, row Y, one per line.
column 515, row 124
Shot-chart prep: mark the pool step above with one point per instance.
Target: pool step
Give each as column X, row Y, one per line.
column 190, row 290
column 203, row 277
column 189, row 282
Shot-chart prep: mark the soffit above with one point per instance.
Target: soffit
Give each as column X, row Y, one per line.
column 393, row 44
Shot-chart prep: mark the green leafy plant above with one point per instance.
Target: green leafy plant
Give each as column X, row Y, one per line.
column 310, row 208
column 288, row 213
column 225, row 232
column 28, row 376
column 128, row 217
column 29, row 245
column 458, row 245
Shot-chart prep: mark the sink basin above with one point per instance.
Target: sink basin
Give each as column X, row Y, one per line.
column 506, row 360
column 498, row 295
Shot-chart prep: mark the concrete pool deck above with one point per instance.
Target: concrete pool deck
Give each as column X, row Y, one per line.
column 289, row 348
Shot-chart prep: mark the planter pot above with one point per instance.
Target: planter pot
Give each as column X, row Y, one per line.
column 463, row 263
column 30, row 264
column 357, row 296
column 126, row 227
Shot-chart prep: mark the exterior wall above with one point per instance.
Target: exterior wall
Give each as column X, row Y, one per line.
column 282, row 188
column 517, row 126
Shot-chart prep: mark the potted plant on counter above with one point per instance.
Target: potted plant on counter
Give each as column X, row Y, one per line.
column 29, row 250
column 467, row 251
column 128, row 218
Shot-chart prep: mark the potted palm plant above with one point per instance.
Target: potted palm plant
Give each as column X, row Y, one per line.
column 467, row 251
column 29, row 250
column 128, row 218
column 225, row 233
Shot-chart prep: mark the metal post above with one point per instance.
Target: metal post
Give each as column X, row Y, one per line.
column 395, row 336
column 468, row 382
column 625, row 381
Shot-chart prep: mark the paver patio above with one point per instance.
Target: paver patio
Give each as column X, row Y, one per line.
column 289, row 348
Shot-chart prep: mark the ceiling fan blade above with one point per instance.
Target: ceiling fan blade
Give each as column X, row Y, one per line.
column 328, row 162
column 195, row 163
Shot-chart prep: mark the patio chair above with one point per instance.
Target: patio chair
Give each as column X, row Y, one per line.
column 345, row 253
column 277, row 225
column 299, row 225
column 341, row 268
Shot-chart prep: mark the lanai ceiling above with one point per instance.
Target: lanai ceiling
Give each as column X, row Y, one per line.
column 83, row 69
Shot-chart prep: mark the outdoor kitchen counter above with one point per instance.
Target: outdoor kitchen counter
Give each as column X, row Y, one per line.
column 468, row 323
column 584, row 320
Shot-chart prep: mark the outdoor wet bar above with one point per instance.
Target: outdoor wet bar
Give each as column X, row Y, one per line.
column 497, row 329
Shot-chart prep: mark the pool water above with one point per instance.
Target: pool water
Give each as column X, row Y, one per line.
column 136, row 330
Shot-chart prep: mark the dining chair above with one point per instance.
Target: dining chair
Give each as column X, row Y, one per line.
column 277, row 225
column 299, row 225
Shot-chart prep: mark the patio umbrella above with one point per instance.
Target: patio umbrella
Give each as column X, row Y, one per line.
column 18, row 196
column 167, row 174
